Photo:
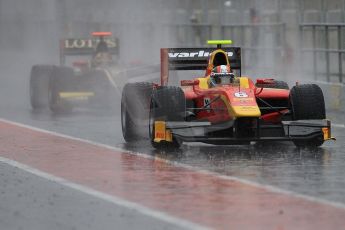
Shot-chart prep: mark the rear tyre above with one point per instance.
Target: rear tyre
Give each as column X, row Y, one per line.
column 307, row 103
column 59, row 82
column 168, row 103
column 39, row 85
column 276, row 85
column 135, row 104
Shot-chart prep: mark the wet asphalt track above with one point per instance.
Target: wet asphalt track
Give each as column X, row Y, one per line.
column 31, row 202
column 316, row 173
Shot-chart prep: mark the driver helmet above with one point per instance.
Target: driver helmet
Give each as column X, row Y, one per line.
column 216, row 77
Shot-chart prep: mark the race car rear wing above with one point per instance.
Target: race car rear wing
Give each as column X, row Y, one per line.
column 85, row 46
column 193, row 59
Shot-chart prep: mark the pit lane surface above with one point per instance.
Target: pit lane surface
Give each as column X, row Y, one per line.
column 316, row 174
column 29, row 201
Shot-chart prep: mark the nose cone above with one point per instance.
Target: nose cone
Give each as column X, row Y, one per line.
column 246, row 111
column 242, row 102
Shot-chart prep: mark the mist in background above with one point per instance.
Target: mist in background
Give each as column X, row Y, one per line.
column 268, row 31
column 31, row 30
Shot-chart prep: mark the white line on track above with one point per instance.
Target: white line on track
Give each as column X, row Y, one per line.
column 195, row 169
column 109, row 198
column 110, row 78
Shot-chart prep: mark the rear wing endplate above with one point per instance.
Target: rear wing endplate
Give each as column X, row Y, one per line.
column 193, row 59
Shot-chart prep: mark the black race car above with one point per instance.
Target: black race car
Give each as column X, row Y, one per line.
column 82, row 78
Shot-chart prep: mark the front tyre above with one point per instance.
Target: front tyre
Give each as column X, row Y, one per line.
column 135, row 101
column 39, row 85
column 307, row 103
column 168, row 103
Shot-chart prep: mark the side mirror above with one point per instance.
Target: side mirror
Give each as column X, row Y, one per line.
column 265, row 81
column 189, row 82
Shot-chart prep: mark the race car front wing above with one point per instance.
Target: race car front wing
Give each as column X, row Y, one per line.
column 198, row 131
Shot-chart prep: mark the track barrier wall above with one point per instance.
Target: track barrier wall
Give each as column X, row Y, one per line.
column 334, row 94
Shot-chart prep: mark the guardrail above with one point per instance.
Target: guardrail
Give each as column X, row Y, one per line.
column 334, row 94
column 322, row 37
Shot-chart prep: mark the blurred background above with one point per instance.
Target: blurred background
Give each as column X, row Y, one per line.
column 285, row 39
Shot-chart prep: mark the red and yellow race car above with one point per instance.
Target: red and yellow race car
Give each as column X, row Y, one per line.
column 221, row 107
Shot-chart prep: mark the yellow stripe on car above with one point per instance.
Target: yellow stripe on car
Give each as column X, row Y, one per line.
column 244, row 82
column 241, row 111
column 246, row 111
column 203, row 82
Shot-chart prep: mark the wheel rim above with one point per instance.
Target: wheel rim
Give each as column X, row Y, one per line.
column 123, row 118
column 32, row 100
column 50, row 96
column 151, row 121
column 292, row 106
column 31, row 91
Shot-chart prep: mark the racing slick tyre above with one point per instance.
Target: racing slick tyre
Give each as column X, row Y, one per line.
column 275, row 85
column 59, row 81
column 168, row 103
column 307, row 103
column 135, row 104
column 39, row 85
